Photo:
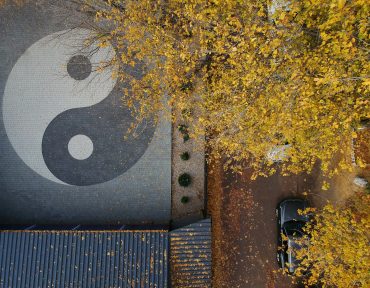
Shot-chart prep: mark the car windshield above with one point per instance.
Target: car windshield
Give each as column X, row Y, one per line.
column 294, row 228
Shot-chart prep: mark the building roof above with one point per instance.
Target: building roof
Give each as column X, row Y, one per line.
column 83, row 259
column 191, row 255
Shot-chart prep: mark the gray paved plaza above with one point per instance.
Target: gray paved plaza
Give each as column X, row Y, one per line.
column 63, row 156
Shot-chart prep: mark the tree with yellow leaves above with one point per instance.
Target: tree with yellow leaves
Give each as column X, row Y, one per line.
column 335, row 249
column 258, row 77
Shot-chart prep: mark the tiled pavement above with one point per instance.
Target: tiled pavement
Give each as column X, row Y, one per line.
column 45, row 178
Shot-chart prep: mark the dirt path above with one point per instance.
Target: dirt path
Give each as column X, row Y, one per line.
column 244, row 230
column 244, row 222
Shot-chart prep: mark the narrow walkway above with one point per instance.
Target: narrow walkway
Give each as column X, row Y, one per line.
column 64, row 159
column 192, row 211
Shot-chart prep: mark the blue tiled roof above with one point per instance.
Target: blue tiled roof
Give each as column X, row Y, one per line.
column 83, row 259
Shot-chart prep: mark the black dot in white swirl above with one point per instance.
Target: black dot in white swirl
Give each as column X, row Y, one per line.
column 69, row 123
column 79, row 67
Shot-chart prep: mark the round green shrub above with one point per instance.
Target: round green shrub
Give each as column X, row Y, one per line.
column 183, row 128
column 186, row 137
column 184, row 180
column 184, row 199
column 185, row 156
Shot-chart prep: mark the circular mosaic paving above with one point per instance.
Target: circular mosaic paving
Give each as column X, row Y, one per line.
column 64, row 119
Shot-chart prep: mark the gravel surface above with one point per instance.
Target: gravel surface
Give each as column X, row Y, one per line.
column 183, row 214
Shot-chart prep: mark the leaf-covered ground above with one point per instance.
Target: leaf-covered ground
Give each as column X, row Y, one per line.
column 244, row 222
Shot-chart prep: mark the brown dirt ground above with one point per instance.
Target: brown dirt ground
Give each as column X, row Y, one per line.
column 244, row 221
column 244, row 228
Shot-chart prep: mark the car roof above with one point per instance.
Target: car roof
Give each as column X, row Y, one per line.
column 289, row 210
column 293, row 200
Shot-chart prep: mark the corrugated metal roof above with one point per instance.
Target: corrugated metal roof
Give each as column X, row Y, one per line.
column 191, row 255
column 83, row 259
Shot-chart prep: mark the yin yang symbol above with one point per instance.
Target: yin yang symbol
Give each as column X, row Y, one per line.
column 64, row 118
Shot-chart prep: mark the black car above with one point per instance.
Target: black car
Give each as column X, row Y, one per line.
column 290, row 224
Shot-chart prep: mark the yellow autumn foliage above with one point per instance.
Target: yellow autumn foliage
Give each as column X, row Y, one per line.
column 257, row 78
column 337, row 252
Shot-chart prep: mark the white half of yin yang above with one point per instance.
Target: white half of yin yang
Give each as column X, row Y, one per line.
column 39, row 88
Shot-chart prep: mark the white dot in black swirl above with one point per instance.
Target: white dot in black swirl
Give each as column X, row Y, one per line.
column 80, row 147
column 79, row 67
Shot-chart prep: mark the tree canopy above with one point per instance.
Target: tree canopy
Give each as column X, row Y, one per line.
column 338, row 253
column 258, row 74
